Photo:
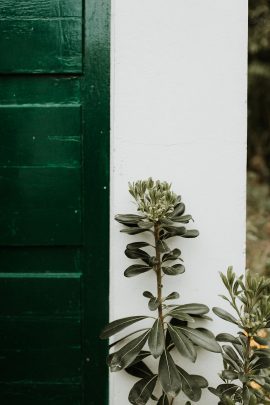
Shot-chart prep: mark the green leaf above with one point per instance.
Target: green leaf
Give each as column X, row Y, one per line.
column 184, row 219
column 226, row 337
column 163, row 400
column 125, row 356
column 232, row 354
column 141, row 356
column 128, row 219
column 200, row 380
column 172, row 231
column 172, row 296
column 125, row 337
column 133, row 231
column 172, row 255
column 116, row 326
column 182, row 343
column 189, row 386
column 221, row 313
column 182, row 316
column 136, row 269
column 139, row 370
column 137, row 245
column 162, row 246
column 174, row 270
column 142, row 390
column 229, row 375
column 193, row 309
column 145, row 224
column 261, row 364
column 224, row 389
column 148, row 294
column 156, row 339
column 153, row 304
column 137, row 254
column 192, row 233
column 201, row 339
column 168, row 375
column 179, row 209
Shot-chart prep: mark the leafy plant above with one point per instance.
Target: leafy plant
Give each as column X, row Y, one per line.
column 245, row 356
column 162, row 215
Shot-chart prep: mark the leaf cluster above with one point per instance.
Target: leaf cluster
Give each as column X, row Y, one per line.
column 173, row 329
column 245, row 356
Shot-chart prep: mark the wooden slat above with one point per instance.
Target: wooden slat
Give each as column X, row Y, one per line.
column 36, row 89
column 55, row 259
column 37, row 393
column 41, row 8
column 41, row 46
column 40, row 206
column 42, row 136
column 41, row 297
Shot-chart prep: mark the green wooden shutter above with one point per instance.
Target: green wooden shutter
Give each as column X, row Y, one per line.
column 54, row 171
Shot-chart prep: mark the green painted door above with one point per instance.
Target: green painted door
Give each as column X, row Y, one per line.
column 54, row 170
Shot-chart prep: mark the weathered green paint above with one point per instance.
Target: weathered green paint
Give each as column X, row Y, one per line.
column 26, row 259
column 53, row 138
column 54, row 208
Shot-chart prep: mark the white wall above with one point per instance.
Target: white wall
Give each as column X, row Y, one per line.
column 179, row 114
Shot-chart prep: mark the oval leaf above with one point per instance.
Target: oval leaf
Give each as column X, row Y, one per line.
column 153, row 304
column 162, row 246
column 116, row 326
column 181, row 316
column 179, row 209
column 136, row 269
column 169, row 377
column 184, row 219
column 201, row 339
column 221, row 313
column 133, row 231
column 141, row 391
column 174, row 270
column 148, row 294
column 172, row 255
column 189, row 386
column 193, row 309
column 156, row 339
column 192, row 233
column 137, row 254
column 125, row 356
column 137, row 245
column 172, row 296
column 139, row 370
column 182, row 343
column 145, row 224
column 128, row 219
column 226, row 337
column 200, row 380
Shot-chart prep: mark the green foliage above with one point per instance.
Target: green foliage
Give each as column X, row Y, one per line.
column 174, row 327
column 247, row 355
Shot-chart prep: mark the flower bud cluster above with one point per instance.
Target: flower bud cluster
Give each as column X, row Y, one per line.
column 253, row 321
column 154, row 198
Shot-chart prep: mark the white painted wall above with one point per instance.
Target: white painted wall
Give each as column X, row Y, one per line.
column 179, row 114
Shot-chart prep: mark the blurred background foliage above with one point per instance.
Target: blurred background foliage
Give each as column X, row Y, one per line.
column 258, row 187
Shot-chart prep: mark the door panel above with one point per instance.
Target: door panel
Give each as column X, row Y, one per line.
column 54, row 114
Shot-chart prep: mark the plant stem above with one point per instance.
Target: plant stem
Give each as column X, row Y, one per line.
column 158, row 272
column 247, row 357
